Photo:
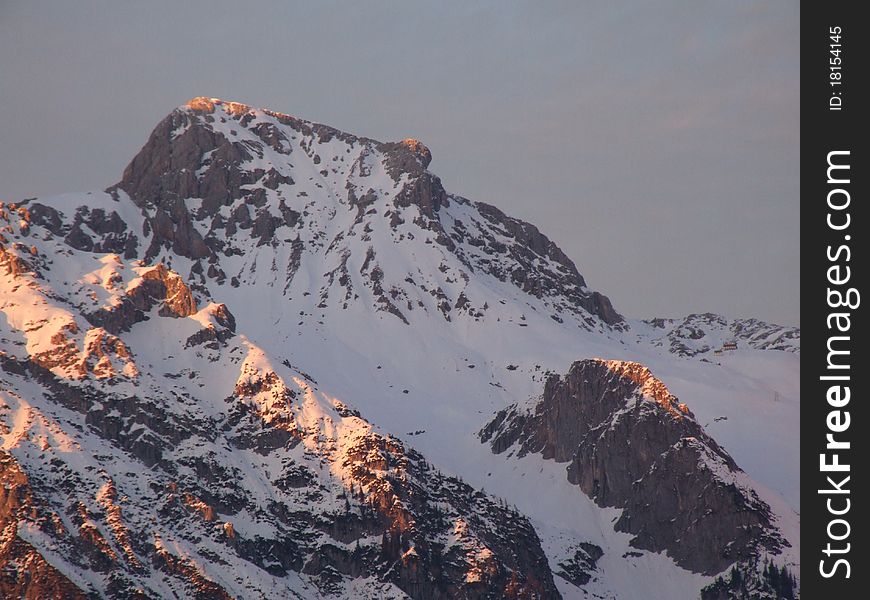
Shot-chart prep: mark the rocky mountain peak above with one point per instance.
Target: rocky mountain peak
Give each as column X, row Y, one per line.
column 649, row 386
column 204, row 105
column 421, row 151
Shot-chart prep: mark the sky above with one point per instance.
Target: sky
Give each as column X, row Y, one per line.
column 656, row 142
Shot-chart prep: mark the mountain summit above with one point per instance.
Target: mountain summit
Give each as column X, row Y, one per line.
column 277, row 360
column 218, row 179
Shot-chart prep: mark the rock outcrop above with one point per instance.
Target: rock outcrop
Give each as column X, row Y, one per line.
column 155, row 489
column 216, row 177
column 378, row 512
column 629, row 443
column 158, row 285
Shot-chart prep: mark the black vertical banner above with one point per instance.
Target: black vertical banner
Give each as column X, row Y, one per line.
column 835, row 423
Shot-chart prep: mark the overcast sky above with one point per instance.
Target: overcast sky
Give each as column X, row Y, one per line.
column 656, row 142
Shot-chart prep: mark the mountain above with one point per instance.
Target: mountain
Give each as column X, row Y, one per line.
column 629, row 443
column 277, row 360
column 706, row 333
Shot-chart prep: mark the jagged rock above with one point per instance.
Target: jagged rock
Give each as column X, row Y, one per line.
column 629, row 443
column 189, row 161
column 106, row 231
column 399, row 497
column 158, row 285
column 25, row 572
column 581, row 566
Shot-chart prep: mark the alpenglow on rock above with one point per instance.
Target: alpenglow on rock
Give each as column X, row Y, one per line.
column 219, row 178
column 258, row 367
column 629, row 443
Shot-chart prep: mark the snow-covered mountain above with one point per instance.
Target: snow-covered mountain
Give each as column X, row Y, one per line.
column 712, row 334
column 277, row 360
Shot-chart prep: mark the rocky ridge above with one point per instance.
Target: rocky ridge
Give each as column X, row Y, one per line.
column 343, row 509
column 629, row 443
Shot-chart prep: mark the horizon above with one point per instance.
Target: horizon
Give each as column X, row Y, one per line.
column 700, row 165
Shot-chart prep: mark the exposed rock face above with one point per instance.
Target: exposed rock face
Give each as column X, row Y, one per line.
column 630, row 444
column 580, row 568
column 216, row 177
column 760, row 582
column 483, row 564
column 158, row 285
column 11, row 263
column 384, row 513
column 25, row 573
column 12, row 260
column 420, row 150
column 530, row 244
column 91, row 229
column 220, row 327
column 157, row 490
